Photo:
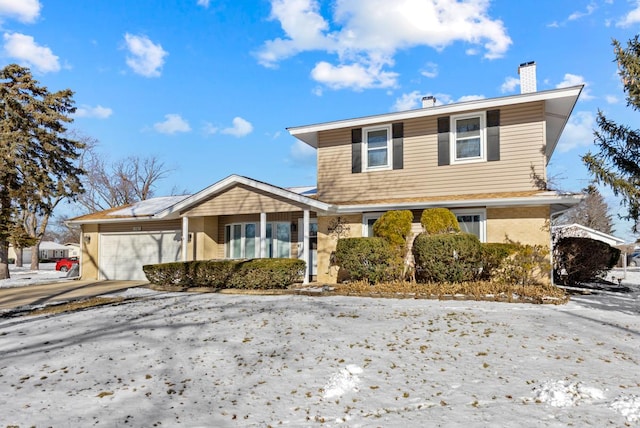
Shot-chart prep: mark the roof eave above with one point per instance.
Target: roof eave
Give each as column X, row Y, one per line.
column 556, row 199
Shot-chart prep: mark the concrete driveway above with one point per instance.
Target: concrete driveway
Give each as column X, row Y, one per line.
column 41, row 294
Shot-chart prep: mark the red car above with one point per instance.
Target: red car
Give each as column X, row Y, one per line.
column 63, row 265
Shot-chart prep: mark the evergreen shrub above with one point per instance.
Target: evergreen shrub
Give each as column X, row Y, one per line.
column 248, row 274
column 493, row 256
column 373, row 260
column 582, row 259
column 446, row 258
column 439, row 220
column 394, row 226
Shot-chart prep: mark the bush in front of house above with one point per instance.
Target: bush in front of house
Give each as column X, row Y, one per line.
column 369, row 259
column 493, row 256
column 527, row 265
column 247, row 274
column 439, row 220
column 446, row 257
column 395, row 227
column 265, row 274
column 582, row 259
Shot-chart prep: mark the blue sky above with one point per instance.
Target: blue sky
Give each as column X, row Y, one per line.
column 209, row 86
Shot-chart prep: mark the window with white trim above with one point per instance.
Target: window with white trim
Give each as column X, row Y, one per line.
column 377, row 148
column 468, row 137
column 368, row 220
column 242, row 240
column 473, row 222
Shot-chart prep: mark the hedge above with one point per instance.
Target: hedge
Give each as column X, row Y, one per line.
column 446, row 258
column 373, row 260
column 582, row 259
column 248, row 274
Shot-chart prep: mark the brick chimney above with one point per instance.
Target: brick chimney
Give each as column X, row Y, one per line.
column 527, row 72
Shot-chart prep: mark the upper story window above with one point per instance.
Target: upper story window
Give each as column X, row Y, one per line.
column 377, row 149
column 468, row 137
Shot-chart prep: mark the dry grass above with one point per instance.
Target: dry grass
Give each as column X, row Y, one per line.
column 464, row 291
column 76, row 305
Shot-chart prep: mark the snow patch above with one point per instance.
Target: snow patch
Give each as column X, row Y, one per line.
column 628, row 406
column 566, row 394
column 344, row 381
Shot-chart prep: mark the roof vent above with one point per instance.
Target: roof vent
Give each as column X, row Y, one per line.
column 527, row 72
column 428, row 101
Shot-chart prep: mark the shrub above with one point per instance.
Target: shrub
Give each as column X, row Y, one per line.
column 369, row 259
column 446, row 258
column 395, row 227
column 582, row 259
column 493, row 255
column 266, row 273
column 439, row 220
column 255, row 273
column 527, row 265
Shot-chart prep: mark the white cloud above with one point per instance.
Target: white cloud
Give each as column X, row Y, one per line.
column 408, row 101
column 430, row 70
column 23, row 10
column 203, row 3
column 578, row 132
column 146, row 58
column 209, row 129
column 27, row 51
column 353, row 34
column 98, row 112
column 581, row 14
column 574, row 80
column 633, row 17
column 354, row 76
column 612, row 99
column 173, row 123
column 302, row 153
column 510, row 84
column 239, row 129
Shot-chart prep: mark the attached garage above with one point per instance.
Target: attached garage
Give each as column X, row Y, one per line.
column 122, row 255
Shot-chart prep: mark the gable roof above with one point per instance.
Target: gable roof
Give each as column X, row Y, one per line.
column 559, row 104
column 579, row 230
column 172, row 207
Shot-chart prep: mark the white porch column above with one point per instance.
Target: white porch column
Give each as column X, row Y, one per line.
column 185, row 238
column 263, row 235
column 305, row 245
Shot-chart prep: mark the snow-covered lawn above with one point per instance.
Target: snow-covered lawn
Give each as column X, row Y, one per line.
column 24, row 276
column 215, row 360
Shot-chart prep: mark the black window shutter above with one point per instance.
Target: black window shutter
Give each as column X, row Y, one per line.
column 397, row 131
column 443, row 141
column 493, row 135
column 356, row 150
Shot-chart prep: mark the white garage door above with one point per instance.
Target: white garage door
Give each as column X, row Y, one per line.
column 123, row 255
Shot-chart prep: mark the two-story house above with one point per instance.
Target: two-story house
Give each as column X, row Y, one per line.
column 485, row 160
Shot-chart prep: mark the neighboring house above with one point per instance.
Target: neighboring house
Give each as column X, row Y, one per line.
column 48, row 251
column 482, row 159
column 73, row 248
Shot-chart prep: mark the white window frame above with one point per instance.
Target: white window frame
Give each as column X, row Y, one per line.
column 482, row 213
column 274, row 239
column 483, row 138
column 365, row 148
column 365, row 222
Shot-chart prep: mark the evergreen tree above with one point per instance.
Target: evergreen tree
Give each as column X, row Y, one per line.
column 617, row 164
column 37, row 161
column 592, row 212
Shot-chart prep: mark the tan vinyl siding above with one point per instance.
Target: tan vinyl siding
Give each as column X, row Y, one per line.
column 241, row 200
column 521, row 142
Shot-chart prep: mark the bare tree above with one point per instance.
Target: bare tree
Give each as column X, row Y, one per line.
column 125, row 181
